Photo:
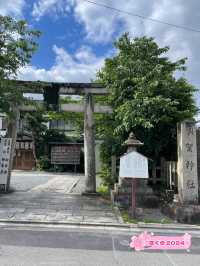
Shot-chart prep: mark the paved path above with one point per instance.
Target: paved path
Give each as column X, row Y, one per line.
column 43, row 181
column 79, row 187
column 44, row 197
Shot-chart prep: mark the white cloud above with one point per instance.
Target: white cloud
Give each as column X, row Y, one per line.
column 182, row 43
column 43, row 7
column 10, row 7
column 80, row 67
column 85, row 55
column 94, row 19
column 100, row 23
column 103, row 25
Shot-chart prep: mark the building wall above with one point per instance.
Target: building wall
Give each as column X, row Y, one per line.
column 62, row 125
column 3, row 126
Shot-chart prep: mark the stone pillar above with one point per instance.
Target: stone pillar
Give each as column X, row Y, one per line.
column 187, row 163
column 198, row 156
column 89, row 145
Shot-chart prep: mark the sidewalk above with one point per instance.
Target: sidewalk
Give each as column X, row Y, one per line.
column 50, row 201
column 47, row 198
column 55, row 207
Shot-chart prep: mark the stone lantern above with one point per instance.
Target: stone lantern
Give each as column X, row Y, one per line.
column 132, row 143
column 144, row 193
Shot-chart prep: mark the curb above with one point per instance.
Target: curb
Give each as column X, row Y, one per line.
column 113, row 226
column 169, row 226
column 64, row 224
column 118, row 214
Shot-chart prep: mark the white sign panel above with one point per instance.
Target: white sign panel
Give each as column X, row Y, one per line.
column 5, row 150
column 133, row 165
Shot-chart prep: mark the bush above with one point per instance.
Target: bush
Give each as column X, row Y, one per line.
column 167, row 196
column 58, row 168
column 106, row 176
column 104, row 191
column 43, row 163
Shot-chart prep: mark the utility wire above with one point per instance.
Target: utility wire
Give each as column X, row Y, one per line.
column 142, row 17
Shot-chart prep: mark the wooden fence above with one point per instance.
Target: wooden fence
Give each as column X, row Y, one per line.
column 165, row 174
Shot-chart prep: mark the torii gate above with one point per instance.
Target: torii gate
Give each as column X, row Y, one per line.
column 88, row 90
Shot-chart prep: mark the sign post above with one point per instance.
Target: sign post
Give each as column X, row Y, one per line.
column 133, row 196
column 5, row 160
column 133, row 165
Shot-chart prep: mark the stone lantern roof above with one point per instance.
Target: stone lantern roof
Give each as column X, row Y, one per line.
column 132, row 142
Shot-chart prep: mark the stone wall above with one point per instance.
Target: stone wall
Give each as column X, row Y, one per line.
column 122, row 194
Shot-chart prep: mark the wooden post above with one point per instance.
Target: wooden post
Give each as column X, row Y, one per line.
column 133, row 197
column 12, row 133
column 170, row 175
column 89, row 145
column 113, row 165
column 154, row 173
column 162, row 169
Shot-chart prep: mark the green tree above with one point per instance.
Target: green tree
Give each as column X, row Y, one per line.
column 36, row 125
column 17, row 45
column 146, row 96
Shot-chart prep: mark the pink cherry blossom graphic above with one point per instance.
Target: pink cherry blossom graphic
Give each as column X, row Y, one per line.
column 149, row 241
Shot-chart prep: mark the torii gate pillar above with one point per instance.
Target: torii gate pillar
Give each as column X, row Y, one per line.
column 89, row 145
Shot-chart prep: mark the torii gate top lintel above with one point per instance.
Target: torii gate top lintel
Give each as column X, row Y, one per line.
column 64, row 88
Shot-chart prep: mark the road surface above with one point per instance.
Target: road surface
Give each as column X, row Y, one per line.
column 51, row 246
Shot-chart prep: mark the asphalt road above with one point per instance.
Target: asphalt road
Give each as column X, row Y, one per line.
column 29, row 246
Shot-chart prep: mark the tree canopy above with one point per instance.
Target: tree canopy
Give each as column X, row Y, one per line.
column 146, row 96
column 17, row 45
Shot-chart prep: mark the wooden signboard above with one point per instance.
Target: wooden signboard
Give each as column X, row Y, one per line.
column 65, row 154
column 5, row 152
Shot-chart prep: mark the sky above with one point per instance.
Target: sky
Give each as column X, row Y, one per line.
column 77, row 36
